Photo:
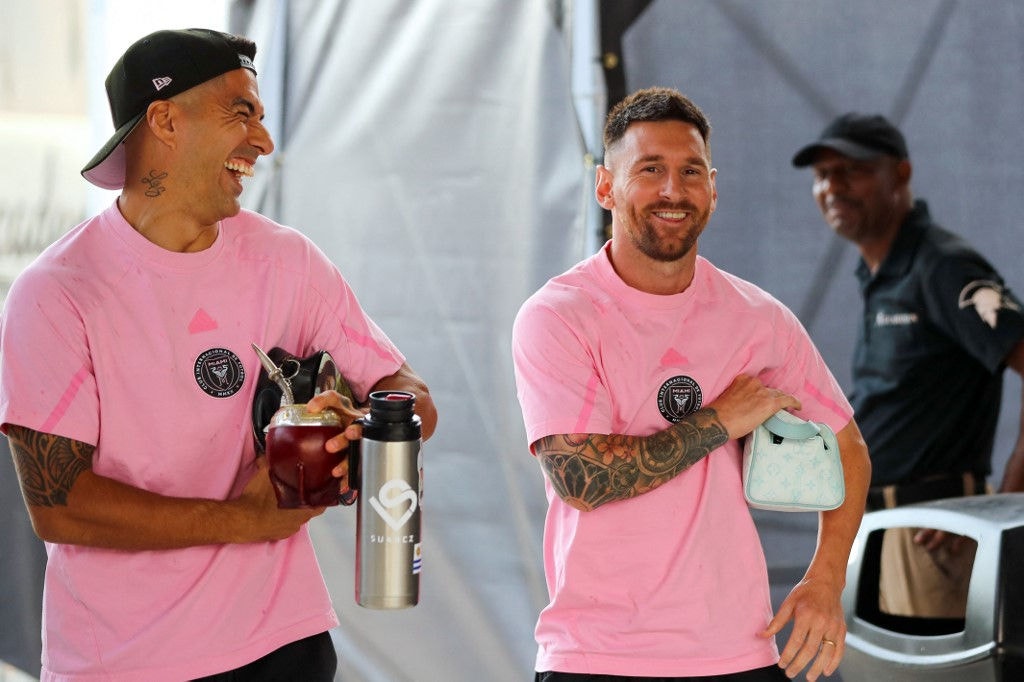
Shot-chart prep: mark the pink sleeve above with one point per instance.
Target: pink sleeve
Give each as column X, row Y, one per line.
column 339, row 324
column 46, row 379
column 558, row 386
column 806, row 376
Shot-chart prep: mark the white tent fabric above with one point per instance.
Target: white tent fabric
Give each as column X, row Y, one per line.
column 431, row 150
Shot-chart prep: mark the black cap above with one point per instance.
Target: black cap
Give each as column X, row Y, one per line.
column 157, row 67
column 857, row 136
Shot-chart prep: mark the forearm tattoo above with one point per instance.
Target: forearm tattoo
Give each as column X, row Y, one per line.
column 588, row 471
column 47, row 465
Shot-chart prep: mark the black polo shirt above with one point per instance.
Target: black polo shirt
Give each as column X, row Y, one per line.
column 927, row 369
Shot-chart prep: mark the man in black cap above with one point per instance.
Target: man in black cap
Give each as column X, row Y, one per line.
column 939, row 327
column 126, row 383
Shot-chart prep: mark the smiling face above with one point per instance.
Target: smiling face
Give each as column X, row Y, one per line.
column 220, row 142
column 862, row 200
column 658, row 183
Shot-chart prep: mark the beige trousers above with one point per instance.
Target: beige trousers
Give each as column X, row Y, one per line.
column 927, row 584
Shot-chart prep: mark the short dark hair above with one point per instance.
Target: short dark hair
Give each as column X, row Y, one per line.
column 654, row 104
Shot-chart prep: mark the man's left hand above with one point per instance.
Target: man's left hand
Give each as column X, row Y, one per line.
column 819, row 629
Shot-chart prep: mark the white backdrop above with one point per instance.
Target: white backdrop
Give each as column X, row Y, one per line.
column 430, row 148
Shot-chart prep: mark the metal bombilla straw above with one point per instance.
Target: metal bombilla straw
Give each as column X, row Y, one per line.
column 275, row 374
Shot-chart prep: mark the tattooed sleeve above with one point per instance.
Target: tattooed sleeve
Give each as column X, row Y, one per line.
column 588, row 470
column 47, row 465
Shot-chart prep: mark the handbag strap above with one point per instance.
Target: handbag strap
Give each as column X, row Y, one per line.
column 784, row 424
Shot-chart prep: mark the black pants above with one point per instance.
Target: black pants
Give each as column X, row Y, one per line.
column 312, row 659
column 772, row 673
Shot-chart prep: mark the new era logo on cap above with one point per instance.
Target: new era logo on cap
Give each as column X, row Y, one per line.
column 161, row 83
column 245, row 62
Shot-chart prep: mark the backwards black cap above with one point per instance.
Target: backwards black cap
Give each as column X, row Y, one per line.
column 156, row 67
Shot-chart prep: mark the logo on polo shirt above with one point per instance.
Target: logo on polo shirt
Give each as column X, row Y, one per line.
column 678, row 397
column 219, row 372
column 884, row 319
column 988, row 298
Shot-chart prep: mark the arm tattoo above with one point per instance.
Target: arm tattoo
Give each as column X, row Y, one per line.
column 589, row 470
column 47, row 465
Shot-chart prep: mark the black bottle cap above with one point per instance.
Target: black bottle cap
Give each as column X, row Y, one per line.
column 391, row 406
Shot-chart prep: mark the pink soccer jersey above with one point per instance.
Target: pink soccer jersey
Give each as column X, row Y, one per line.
column 146, row 354
column 673, row 582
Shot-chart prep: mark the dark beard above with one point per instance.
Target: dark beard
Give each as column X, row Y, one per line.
column 649, row 244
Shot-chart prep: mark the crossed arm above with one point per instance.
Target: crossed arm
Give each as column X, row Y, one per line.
column 589, row 470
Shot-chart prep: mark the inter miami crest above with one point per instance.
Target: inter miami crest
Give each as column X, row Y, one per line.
column 219, row 372
column 678, row 397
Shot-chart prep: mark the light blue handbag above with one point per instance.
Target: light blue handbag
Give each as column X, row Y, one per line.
column 792, row 465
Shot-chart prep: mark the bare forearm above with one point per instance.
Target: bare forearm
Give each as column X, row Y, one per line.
column 68, row 503
column 814, row 606
column 838, row 528
column 102, row 512
column 405, row 379
column 589, row 470
column 1013, row 475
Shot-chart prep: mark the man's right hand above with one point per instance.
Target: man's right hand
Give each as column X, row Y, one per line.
column 746, row 403
column 261, row 520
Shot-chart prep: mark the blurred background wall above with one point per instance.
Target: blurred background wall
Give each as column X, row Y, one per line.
column 441, row 152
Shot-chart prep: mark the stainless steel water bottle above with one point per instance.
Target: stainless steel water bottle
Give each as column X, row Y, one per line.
column 389, row 475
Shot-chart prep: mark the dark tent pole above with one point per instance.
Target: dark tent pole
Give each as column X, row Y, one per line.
column 615, row 18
